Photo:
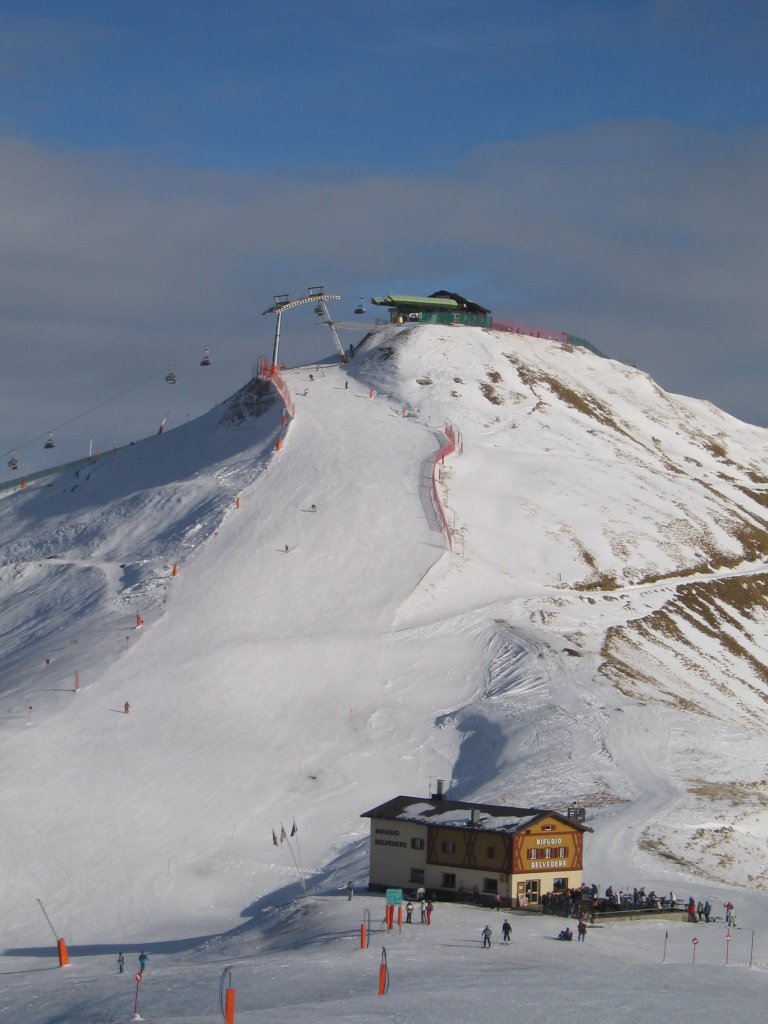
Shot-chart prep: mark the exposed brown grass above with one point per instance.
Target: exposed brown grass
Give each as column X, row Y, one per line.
column 737, row 794
column 490, row 392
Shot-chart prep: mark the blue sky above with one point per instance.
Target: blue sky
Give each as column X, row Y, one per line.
column 169, row 167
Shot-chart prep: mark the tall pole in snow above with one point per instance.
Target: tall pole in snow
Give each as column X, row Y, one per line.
column 284, row 835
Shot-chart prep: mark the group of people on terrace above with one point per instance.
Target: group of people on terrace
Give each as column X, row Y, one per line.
column 587, row 900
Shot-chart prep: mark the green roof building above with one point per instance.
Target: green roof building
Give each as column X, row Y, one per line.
column 437, row 308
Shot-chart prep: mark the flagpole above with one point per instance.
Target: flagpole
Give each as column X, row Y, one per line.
column 295, row 832
column 284, row 835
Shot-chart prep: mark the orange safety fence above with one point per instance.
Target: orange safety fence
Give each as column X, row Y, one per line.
column 267, row 372
column 514, row 327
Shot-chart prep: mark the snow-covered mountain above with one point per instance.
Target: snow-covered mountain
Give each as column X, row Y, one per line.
column 596, row 634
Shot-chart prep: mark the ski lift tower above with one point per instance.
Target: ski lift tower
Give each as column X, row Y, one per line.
column 315, row 295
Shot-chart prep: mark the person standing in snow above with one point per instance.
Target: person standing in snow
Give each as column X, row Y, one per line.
column 497, row 901
column 350, row 890
column 423, row 911
column 506, row 930
column 120, row 963
column 409, row 912
column 126, row 708
column 143, row 957
column 707, row 911
column 728, row 913
column 692, row 910
column 581, row 929
column 699, row 910
column 486, row 933
column 430, row 908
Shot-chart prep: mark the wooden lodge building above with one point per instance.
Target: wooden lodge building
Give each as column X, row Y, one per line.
column 456, row 850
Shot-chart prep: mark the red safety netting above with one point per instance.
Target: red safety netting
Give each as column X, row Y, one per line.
column 513, row 327
column 267, row 372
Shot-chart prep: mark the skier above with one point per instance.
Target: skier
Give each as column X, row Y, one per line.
column 506, row 930
column 409, row 912
column 143, row 957
column 707, row 911
column 126, row 708
column 314, row 508
column 582, row 929
column 286, row 549
column 486, row 933
column 346, row 385
column 120, row 963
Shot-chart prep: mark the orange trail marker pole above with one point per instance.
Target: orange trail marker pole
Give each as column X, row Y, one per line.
column 61, row 945
column 227, row 996
column 139, row 621
column 77, row 682
column 383, row 972
column 136, row 1000
column 229, row 1006
column 175, row 570
column 237, row 502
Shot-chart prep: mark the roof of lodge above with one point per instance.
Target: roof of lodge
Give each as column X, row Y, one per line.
column 458, row 814
column 422, row 301
column 437, row 300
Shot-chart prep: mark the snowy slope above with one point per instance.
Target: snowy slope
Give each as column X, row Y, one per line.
column 602, row 610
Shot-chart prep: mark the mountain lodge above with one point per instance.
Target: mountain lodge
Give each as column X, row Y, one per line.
column 455, row 849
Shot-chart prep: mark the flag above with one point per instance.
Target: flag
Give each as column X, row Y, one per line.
column 294, row 830
column 274, row 837
column 282, row 833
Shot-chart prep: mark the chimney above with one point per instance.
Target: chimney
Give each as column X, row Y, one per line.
column 439, row 795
